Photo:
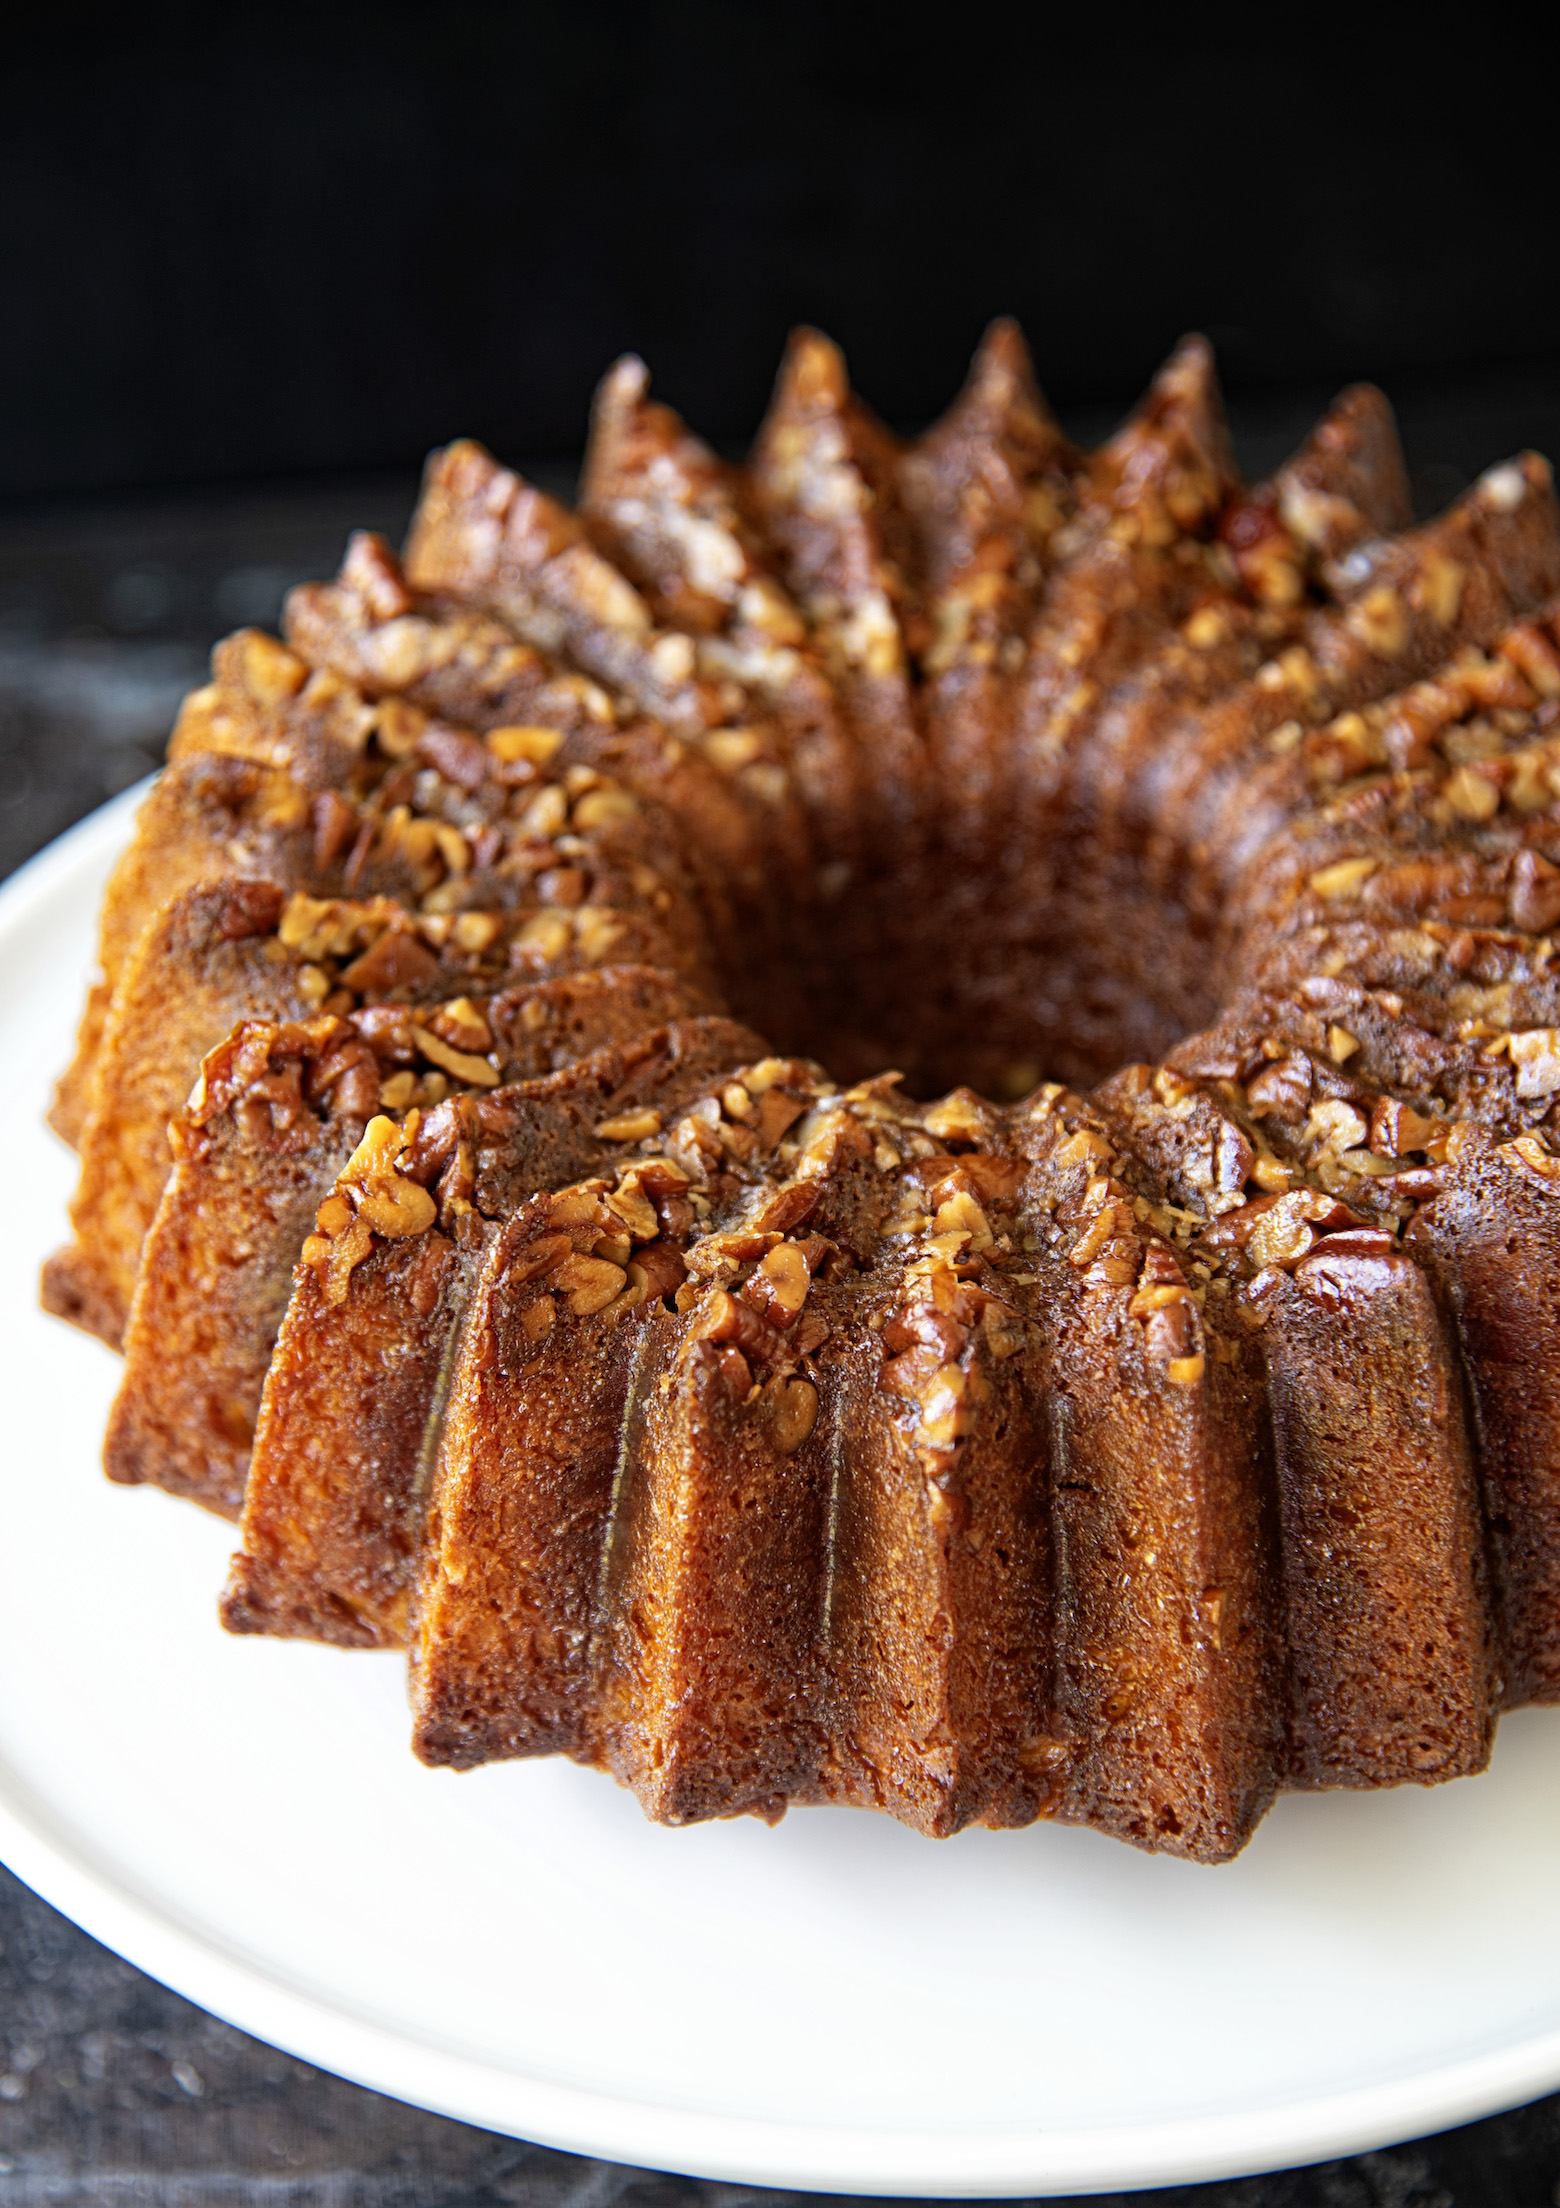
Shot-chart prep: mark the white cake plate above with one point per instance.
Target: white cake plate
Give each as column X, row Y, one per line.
column 834, row 2004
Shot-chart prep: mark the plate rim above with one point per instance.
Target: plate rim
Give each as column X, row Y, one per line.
column 830, row 2157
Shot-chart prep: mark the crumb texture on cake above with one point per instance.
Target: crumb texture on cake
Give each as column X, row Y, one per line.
column 1142, row 1400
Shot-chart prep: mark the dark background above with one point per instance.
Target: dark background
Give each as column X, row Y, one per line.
column 247, row 242
column 255, row 261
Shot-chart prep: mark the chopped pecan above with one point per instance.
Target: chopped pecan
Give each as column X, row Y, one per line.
column 604, row 808
column 778, row 1288
column 1171, row 1331
column 629, row 1201
column 1530, row 1154
column 789, row 1207
column 457, row 1182
column 349, row 1076
column 463, row 1064
column 1001, row 1329
column 398, row 960
column 715, row 1253
column 385, row 1198
column 540, row 1256
column 960, row 1117
column 812, row 1330
column 1396, row 1128
column 1535, row 1053
column 1534, row 897
column 658, row 1268
column 778, row 1111
column 430, row 1147
column 535, row 747
column 591, row 1283
column 582, row 1206
column 562, row 885
column 1347, row 1267
column 634, row 1126
column 734, row 1370
column 728, row 1318
column 335, row 825
column 1277, row 1231
column 996, row 1179
column 461, row 758
column 789, row 1409
column 1283, row 1088
column 426, row 1284
column 960, row 1214
column 924, row 1324
column 461, row 1024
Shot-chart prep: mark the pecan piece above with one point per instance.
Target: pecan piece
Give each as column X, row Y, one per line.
column 728, row 1318
column 778, row 1289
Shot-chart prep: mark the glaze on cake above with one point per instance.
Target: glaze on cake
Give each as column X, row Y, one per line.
column 1160, row 1419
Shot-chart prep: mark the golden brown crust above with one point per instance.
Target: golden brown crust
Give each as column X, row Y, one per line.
column 252, row 1160
column 1394, row 1672
column 352, row 1387
column 342, row 1450
column 193, row 976
column 518, row 1511
column 822, row 478
column 296, row 779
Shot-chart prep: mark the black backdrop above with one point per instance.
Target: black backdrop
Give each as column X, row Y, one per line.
column 248, row 242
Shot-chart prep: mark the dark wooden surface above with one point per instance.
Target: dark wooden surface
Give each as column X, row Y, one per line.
column 112, row 2089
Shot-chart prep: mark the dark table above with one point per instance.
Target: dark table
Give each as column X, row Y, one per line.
column 112, row 2089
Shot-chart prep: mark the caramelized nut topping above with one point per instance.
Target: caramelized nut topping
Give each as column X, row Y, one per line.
column 591, row 1283
column 789, row 1406
column 370, row 1197
column 1343, row 878
column 634, row 1126
column 778, row 1289
column 462, row 1063
column 537, row 745
column 1185, row 1372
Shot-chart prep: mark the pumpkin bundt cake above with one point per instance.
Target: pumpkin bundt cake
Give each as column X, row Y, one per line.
column 1163, row 1417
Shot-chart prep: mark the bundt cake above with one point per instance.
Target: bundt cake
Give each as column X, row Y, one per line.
column 1166, row 1415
